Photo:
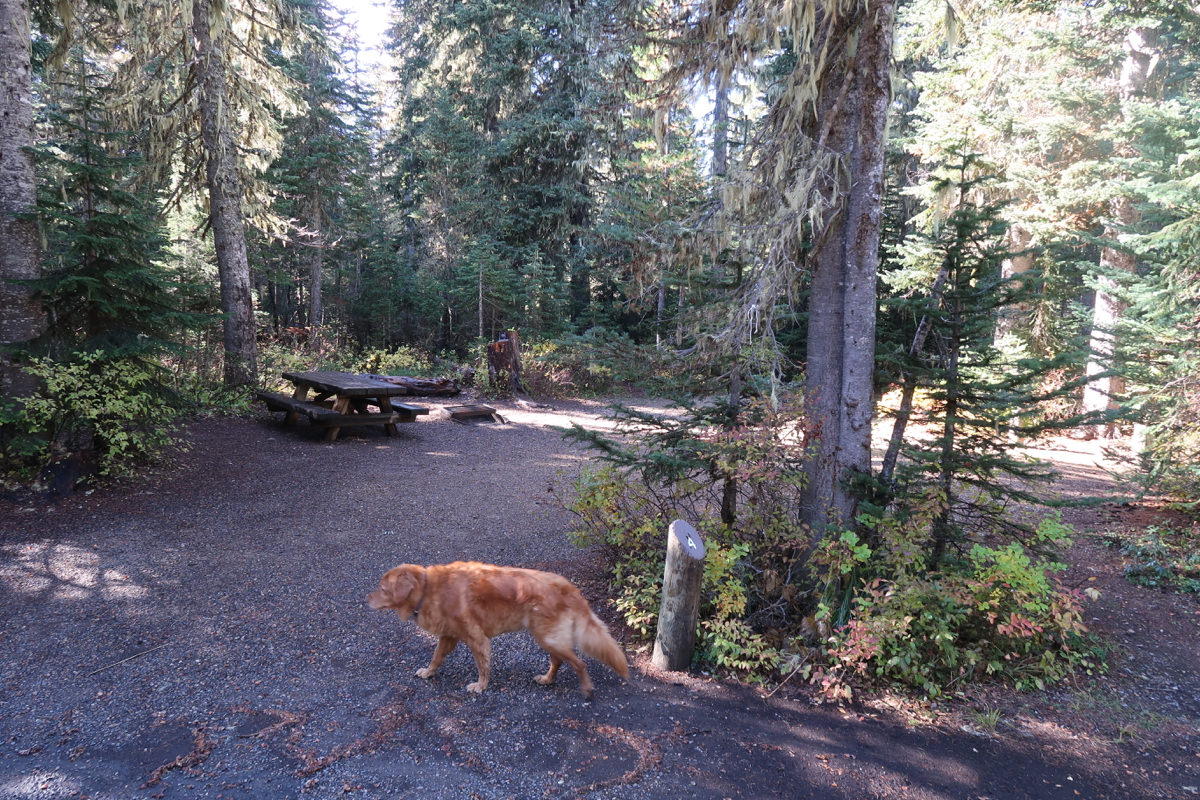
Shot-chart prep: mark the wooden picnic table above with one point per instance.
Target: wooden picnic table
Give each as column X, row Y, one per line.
column 341, row 399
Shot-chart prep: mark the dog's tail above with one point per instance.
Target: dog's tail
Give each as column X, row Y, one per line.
column 597, row 642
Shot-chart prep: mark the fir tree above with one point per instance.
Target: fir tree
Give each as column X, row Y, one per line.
column 982, row 395
column 104, row 289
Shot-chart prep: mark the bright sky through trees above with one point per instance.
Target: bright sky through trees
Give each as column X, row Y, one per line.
column 368, row 20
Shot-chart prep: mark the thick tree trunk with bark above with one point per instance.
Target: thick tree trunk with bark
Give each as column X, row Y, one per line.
column 21, row 317
column 844, row 262
column 1019, row 243
column 225, row 201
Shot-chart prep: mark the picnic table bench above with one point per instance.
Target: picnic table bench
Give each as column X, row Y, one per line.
column 341, row 399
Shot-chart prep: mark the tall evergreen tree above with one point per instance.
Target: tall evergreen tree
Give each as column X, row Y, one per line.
column 104, row 288
column 324, row 156
column 981, row 398
column 490, row 158
column 812, row 193
column 199, row 76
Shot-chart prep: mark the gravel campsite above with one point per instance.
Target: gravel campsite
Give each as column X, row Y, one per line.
column 201, row 632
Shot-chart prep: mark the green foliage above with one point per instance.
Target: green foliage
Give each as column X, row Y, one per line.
column 488, row 164
column 1162, row 557
column 333, row 247
column 276, row 358
column 680, row 468
column 626, row 523
column 727, row 640
column 564, row 368
column 623, row 520
column 983, row 393
column 114, row 406
column 997, row 614
column 401, row 360
column 105, row 287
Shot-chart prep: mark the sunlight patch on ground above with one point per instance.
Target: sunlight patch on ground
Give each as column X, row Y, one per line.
column 41, row 783
column 65, row 572
column 1043, row 729
column 598, row 417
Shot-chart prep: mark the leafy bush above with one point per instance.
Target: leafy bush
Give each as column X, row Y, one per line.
column 276, row 358
column 996, row 614
column 402, row 360
column 1164, row 557
column 751, row 582
column 564, row 368
column 864, row 607
column 627, row 524
column 114, row 406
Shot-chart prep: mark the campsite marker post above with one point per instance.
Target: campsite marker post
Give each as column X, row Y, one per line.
column 676, row 637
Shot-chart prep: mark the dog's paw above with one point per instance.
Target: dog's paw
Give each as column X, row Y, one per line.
column 544, row 680
column 477, row 687
column 425, row 673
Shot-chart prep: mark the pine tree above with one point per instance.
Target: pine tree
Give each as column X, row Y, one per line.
column 104, row 288
column 322, row 168
column 490, row 160
column 982, row 394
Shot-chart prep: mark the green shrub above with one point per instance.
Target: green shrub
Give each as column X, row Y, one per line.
column 402, row 360
column 751, row 586
column 1164, row 557
column 996, row 614
column 564, row 368
column 626, row 523
column 276, row 358
column 113, row 405
column 864, row 608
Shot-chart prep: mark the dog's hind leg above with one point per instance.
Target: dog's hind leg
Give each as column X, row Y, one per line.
column 445, row 645
column 558, row 654
column 585, row 683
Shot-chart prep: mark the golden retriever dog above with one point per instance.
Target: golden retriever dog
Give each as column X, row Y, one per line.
column 471, row 602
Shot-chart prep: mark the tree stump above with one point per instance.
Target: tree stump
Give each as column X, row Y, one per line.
column 504, row 356
column 676, row 637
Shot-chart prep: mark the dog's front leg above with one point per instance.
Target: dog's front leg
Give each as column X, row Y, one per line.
column 444, row 646
column 481, row 648
column 548, row 678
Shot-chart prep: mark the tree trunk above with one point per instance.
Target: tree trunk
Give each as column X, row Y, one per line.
column 844, row 262
column 1103, row 386
column 909, row 378
column 479, row 303
column 316, row 271
column 224, row 202
column 1141, row 58
column 720, row 134
column 1017, row 264
column 21, row 317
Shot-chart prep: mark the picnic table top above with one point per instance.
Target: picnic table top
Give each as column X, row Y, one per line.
column 346, row 384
